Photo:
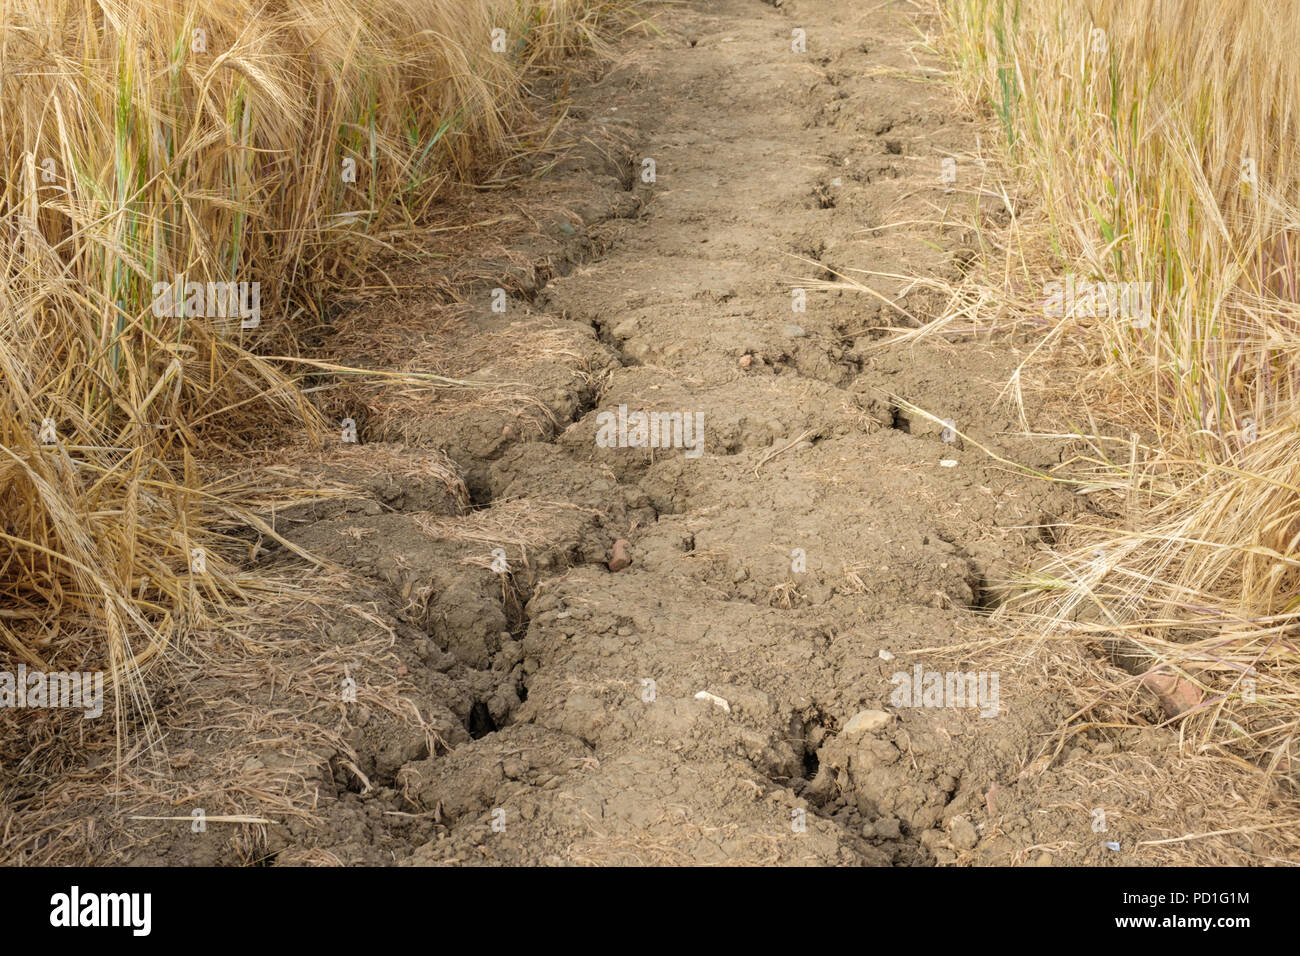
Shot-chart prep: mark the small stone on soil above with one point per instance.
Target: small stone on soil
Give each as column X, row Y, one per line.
column 619, row 558
column 867, row 721
column 962, row 833
column 887, row 828
column 713, row 699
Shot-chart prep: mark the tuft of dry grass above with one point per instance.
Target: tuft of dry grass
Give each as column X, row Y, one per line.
column 1158, row 142
column 163, row 143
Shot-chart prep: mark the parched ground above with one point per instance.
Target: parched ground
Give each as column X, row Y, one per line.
column 822, row 542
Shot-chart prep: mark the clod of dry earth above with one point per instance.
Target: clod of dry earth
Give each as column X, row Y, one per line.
column 554, row 712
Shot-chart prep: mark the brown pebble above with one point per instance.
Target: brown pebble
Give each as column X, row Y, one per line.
column 619, row 558
column 746, row 361
column 1177, row 694
column 990, row 800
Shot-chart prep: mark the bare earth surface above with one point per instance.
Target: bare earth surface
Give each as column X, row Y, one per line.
column 817, row 546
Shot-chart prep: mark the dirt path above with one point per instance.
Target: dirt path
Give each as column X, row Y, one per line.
column 816, row 533
column 814, row 546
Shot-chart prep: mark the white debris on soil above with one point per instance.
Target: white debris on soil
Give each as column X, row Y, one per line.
column 713, row 698
column 867, row 721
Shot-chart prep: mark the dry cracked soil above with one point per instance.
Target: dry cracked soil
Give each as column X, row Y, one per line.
column 571, row 650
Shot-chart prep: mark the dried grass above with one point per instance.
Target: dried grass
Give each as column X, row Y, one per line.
column 152, row 140
column 1156, row 142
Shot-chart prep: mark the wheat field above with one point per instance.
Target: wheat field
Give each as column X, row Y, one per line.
column 183, row 185
column 1159, row 143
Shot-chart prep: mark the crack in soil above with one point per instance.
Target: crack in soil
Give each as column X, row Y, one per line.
column 730, row 695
